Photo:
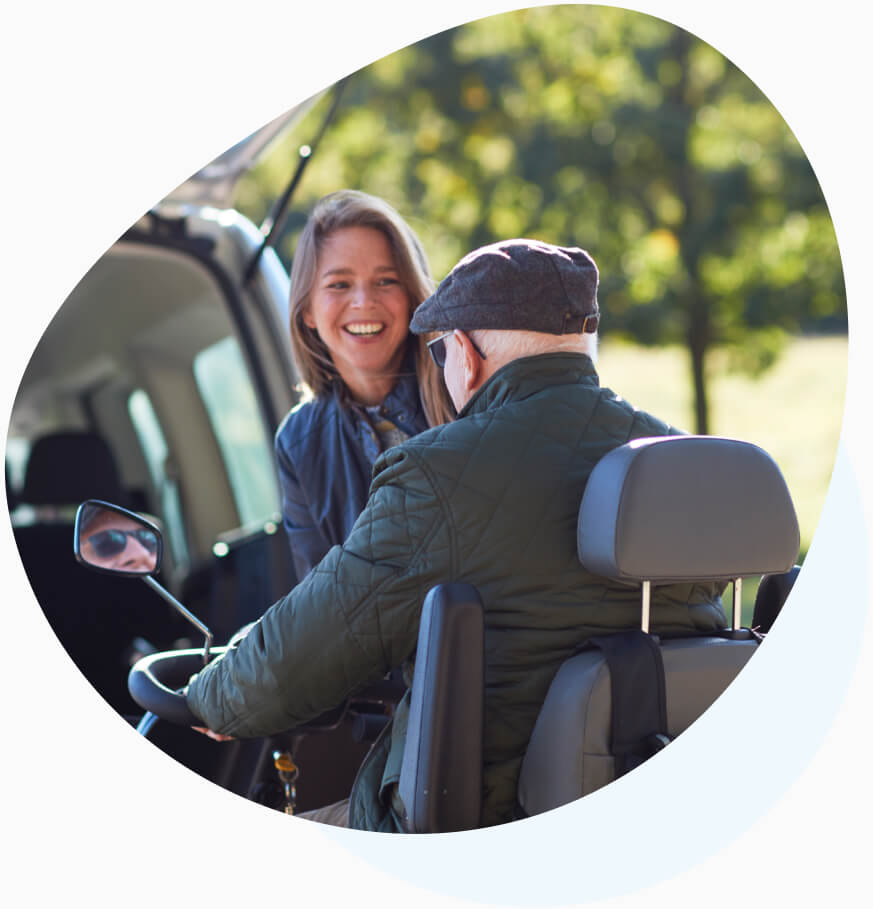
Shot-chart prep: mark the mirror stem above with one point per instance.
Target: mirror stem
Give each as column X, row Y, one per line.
column 184, row 612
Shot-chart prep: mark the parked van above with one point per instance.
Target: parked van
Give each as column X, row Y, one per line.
column 158, row 385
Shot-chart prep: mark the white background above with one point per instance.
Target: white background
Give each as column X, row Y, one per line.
column 106, row 107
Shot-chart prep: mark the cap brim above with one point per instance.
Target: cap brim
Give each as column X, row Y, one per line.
column 427, row 317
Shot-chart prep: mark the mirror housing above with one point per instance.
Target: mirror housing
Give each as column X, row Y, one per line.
column 116, row 541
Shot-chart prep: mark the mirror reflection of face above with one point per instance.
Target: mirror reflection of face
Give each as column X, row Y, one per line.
column 116, row 542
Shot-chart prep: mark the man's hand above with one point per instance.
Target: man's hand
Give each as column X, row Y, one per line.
column 217, row 736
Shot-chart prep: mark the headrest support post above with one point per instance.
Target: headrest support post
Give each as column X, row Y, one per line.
column 738, row 604
column 647, row 600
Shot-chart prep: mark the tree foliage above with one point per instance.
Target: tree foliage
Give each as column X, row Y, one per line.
column 602, row 128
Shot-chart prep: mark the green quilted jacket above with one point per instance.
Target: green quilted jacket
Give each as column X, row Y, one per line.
column 491, row 499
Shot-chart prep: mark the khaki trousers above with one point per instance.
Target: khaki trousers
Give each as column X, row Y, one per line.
column 337, row 814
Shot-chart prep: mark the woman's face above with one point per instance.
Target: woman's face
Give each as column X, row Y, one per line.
column 360, row 310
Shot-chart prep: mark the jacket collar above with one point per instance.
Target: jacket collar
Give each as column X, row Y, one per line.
column 525, row 376
column 404, row 395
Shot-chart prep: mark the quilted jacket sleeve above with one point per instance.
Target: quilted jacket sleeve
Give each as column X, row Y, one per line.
column 353, row 618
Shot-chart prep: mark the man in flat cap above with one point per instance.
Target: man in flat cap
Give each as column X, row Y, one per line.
column 491, row 499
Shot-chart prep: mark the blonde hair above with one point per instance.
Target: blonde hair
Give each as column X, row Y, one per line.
column 350, row 208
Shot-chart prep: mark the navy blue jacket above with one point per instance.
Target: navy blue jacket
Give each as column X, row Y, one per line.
column 325, row 453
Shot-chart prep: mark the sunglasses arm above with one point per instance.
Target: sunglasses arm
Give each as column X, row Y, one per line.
column 184, row 612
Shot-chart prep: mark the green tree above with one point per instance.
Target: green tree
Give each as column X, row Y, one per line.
column 607, row 129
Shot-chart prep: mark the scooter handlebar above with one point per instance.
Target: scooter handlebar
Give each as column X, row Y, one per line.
column 153, row 682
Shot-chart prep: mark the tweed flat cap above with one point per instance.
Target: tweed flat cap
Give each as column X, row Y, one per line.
column 520, row 285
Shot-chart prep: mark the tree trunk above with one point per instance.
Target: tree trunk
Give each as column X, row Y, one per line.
column 694, row 304
column 698, row 375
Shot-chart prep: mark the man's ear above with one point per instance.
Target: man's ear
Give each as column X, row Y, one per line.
column 471, row 364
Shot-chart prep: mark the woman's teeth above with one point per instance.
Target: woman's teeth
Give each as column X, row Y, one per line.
column 364, row 328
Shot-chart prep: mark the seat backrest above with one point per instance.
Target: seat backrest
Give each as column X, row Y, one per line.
column 570, row 755
column 657, row 511
column 65, row 468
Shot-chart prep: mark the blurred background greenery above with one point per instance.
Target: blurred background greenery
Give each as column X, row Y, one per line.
column 721, row 286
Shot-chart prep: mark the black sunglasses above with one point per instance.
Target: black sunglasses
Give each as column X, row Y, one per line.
column 437, row 348
column 108, row 543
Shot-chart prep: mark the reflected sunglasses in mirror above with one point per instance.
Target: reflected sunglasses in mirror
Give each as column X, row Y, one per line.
column 437, row 348
column 108, row 543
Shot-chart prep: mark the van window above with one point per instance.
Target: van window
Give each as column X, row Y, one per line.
column 17, row 453
column 154, row 446
column 227, row 393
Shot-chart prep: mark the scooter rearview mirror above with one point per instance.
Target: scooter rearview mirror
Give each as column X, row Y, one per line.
column 112, row 539
column 115, row 540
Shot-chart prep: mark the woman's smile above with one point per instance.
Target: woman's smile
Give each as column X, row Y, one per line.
column 365, row 329
column 360, row 310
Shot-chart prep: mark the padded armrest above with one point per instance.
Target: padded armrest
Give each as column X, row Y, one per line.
column 686, row 508
column 441, row 776
column 771, row 596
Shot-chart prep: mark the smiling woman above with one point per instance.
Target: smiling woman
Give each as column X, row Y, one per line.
column 358, row 274
column 360, row 310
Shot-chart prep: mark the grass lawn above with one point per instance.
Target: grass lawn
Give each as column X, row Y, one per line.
column 794, row 411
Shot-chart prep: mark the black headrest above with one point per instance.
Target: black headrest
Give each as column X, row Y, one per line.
column 68, row 467
column 686, row 508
